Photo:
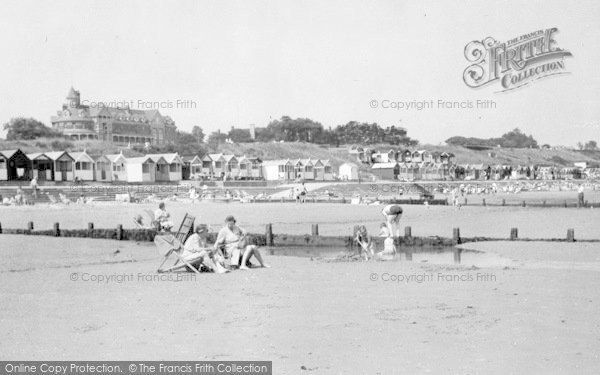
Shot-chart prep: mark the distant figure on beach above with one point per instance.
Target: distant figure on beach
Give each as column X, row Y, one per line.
column 19, row 196
column 34, row 187
column 196, row 248
column 580, row 201
column 232, row 239
column 392, row 214
column 194, row 196
column 163, row 217
column 300, row 193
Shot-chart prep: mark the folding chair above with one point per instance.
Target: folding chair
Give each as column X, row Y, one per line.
column 169, row 246
column 186, row 228
column 173, row 245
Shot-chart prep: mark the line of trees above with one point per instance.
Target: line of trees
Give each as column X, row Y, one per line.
column 21, row 128
column 513, row 139
column 287, row 129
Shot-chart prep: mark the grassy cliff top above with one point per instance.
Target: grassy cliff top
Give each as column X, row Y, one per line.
column 337, row 156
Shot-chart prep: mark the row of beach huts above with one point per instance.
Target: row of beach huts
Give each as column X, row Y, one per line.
column 168, row 167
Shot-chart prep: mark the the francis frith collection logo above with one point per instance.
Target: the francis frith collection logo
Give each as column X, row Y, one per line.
column 515, row 63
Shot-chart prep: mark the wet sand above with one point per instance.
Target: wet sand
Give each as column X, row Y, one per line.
column 330, row 317
column 333, row 219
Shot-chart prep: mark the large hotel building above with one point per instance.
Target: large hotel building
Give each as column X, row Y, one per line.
column 112, row 124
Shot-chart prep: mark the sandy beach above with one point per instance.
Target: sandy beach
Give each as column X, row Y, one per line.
column 101, row 299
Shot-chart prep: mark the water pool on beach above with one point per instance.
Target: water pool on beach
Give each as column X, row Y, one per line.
column 422, row 255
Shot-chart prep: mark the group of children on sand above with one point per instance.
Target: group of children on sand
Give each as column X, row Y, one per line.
column 387, row 230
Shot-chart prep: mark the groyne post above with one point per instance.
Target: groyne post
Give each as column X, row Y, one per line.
column 523, row 204
column 0, row 228
column 456, row 235
column 269, row 234
column 119, row 232
column 30, row 226
column 56, row 230
column 503, row 202
column 90, row 230
column 483, row 202
column 407, row 232
column 514, row 233
column 315, row 229
column 571, row 235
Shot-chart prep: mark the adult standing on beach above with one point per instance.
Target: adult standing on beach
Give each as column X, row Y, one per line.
column 34, row 186
column 392, row 214
column 580, row 201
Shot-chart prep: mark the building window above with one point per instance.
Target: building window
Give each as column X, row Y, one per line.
column 145, row 168
column 173, row 167
column 78, row 166
column 2, row 164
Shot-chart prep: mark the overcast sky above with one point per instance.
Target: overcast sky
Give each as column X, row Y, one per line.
column 244, row 62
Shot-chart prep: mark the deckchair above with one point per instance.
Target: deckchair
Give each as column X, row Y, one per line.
column 172, row 245
column 169, row 246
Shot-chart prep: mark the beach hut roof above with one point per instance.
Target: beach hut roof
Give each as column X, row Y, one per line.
column 384, row 165
column 78, row 156
column 215, row 157
column 114, row 157
column 146, row 159
column 55, row 155
column 276, row 162
column 169, row 158
column 229, row 158
column 9, row 153
column 99, row 158
column 38, row 156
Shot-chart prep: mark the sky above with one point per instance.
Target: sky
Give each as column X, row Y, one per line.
column 218, row 64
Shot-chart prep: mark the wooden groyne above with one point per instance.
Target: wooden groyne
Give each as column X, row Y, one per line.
column 269, row 238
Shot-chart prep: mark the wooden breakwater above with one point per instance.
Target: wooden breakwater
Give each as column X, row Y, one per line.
column 269, row 238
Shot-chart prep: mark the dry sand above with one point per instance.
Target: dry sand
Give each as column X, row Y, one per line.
column 329, row 317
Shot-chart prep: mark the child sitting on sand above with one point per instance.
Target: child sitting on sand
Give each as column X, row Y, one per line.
column 366, row 245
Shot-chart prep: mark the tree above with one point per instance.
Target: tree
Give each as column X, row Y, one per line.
column 216, row 138
column 198, row 133
column 240, row 135
column 591, row 145
column 28, row 128
column 513, row 139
